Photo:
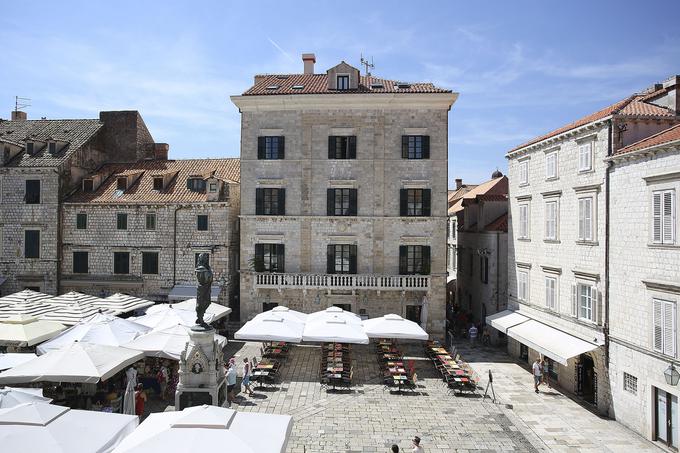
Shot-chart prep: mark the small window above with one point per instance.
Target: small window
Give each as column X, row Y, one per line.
column 80, row 262
column 32, row 191
column 158, row 183
column 522, row 286
column 524, row 172
column 32, row 244
column 149, row 262
column 341, row 202
column 586, row 302
column 213, row 187
column 121, row 221
column 630, row 383
column 121, row 184
column 273, row 87
column 341, row 259
column 585, row 219
column 52, row 147
column 121, row 262
column 81, row 221
column 551, row 220
column 585, row 157
column 270, row 148
column 551, row 165
column 151, row 221
column 551, row 293
column 524, row 221
column 30, row 148
column 270, row 201
column 343, row 82
column 202, row 222
column 415, row 146
column 88, row 185
column 415, row 202
column 414, row 259
column 342, row 147
column 377, row 85
column 196, row 184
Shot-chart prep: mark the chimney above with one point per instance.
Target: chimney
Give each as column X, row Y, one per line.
column 18, row 115
column 156, row 151
column 459, row 183
column 309, row 59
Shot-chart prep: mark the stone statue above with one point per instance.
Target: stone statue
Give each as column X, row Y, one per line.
column 205, row 277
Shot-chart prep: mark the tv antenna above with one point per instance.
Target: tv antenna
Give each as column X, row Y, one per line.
column 21, row 103
column 368, row 65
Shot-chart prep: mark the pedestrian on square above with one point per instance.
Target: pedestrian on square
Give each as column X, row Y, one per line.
column 417, row 448
column 246, row 376
column 140, row 400
column 537, row 371
column 546, row 373
column 472, row 333
column 231, row 381
column 395, row 448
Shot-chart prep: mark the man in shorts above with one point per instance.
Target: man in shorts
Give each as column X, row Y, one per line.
column 537, row 371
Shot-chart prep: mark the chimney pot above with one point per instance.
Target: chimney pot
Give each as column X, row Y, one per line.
column 309, row 59
column 18, row 115
column 459, row 183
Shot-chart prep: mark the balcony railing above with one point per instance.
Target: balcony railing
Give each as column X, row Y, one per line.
column 264, row 280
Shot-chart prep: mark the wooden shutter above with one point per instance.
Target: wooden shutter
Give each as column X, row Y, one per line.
column 588, row 219
column 353, row 207
column 668, row 217
column 426, row 146
column 260, row 147
column 282, row 201
column 352, row 259
column 403, row 263
column 330, row 202
column 330, row 259
column 594, row 294
column 259, row 201
column 352, row 147
column 282, row 147
column 582, row 218
column 658, row 325
column 669, row 328
column 574, row 300
column 280, row 257
column 403, row 202
column 331, row 147
column 259, row 258
column 404, row 146
column 425, row 253
column 657, row 216
column 427, row 201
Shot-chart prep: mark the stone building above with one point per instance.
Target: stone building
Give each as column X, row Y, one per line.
column 644, row 268
column 452, row 239
column 344, row 194
column 558, row 279
column 138, row 228
column 482, row 248
column 41, row 162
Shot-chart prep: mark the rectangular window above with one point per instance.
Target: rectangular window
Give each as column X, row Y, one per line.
column 586, row 301
column 269, row 257
column 202, row 222
column 30, row 148
column 341, row 202
column 151, row 221
column 585, row 219
column 341, row 259
column 270, row 201
column 158, row 183
column 340, row 147
column 415, row 202
column 121, row 262
column 213, row 187
column 270, row 148
column 32, row 244
column 664, row 327
column 196, row 255
column 524, row 172
column 52, row 147
column 415, row 146
column 88, row 185
column 585, row 157
column 551, row 293
column 80, row 262
column 664, row 217
column 522, row 285
column 414, row 259
column 149, row 262
column 630, row 383
column 551, row 220
column 524, row 221
column 484, row 269
column 81, row 221
column 121, row 184
column 32, row 191
column 121, row 221
column 343, row 82
column 551, row 165
column 196, row 184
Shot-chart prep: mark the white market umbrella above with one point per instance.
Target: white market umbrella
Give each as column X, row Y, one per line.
column 123, row 303
column 77, row 362
column 25, row 302
column 334, row 329
column 99, row 329
column 423, row 312
column 12, row 359
column 334, row 313
column 270, row 326
column 40, row 427
column 74, row 313
column 23, row 296
column 217, row 311
column 285, row 313
column 166, row 343
column 10, row 397
column 73, row 297
column 129, row 398
column 24, row 330
column 201, row 428
column 394, row 326
column 170, row 317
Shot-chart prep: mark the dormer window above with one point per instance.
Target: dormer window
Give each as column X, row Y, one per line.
column 213, row 187
column 121, row 184
column 343, row 82
column 88, row 185
column 273, row 87
column 298, row 87
column 52, row 147
column 30, row 146
column 196, row 184
column 158, row 183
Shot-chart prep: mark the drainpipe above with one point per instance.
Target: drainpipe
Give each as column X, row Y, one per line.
column 498, row 271
column 174, row 246
column 59, row 232
column 606, row 243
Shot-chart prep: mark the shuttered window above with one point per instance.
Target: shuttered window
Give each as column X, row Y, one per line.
column 415, row 146
column 32, row 244
column 270, row 148
column 81, row 221
column 551, row 293
column 415, row 202
column 664, row 326
column 32, row 191
column 80, row 262
column 149, row 262
column 524, row 221
column 269, row 257
column 551, row 220
column 551, row 165
column 151, row 221
column 341, row 202
column 586, row 301
column 121, row 221
column 270, row 201
column 414, row 259
column 121, row 262
column 524, row 172
column 341, row 259
column 664, row 216
column 202, row 222
column 585, row 219
column 585, row 157
column 484, row 269
column 340, row 147
column 522, row 285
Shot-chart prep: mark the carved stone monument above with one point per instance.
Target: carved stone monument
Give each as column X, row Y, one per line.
column 201, row 371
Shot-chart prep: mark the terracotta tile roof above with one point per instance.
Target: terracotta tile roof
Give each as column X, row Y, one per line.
column 141, row 192
column 635, row 105
column 456, row 194
column 669, row 135
column 74, row 132
column 318, row 84
column 491, row 188
column 500, row 224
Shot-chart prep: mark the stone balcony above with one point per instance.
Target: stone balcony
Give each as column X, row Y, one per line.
column 265, row 280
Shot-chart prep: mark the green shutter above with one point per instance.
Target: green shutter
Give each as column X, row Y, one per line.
column 259, row 201
column 353, row 207
column 260, row 147
column 330, row 259
column 404, row 146
column 426, row 146
column 282, row 147
column 427, row 201
column 352, row 259
column 403, row 202
column 352, row 147
column 330, row 202
column 282, row 201
column 403, row 264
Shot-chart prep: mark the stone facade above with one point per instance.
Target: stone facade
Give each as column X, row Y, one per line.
column 377, row 173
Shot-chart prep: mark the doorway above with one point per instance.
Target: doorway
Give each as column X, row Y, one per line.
column 346, row 307
column 413, row 313
column 666, row 418
column 524, row 352
column 586, row 379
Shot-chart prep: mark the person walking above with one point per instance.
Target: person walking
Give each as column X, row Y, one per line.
column 472, row 333
column 417, row 448
column 546, row 372
column 537, row 371
column 246, row 376
column 395, row 448
column 231, row 381
column 140, row 400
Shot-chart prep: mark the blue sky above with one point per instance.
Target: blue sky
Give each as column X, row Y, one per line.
column 522, row 67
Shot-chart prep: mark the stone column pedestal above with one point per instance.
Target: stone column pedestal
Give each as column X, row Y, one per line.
column 201, row 372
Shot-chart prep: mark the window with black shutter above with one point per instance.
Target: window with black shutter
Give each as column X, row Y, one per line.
column 270, row 201
column 202, row 222
column 414, row 259
column 341, row 259
column 149, row 262
column 270, row 148
column 121, row 262
column 81, row 221
column 269, row 257
column 32, row 244
column 80, row 262
column 32, row 191
column 415, row 202
column 88, row 185
column 341, row 202
column 415, row 146
column 342, row 147
column 121, row 221
column 121, row 184
column 195, row 184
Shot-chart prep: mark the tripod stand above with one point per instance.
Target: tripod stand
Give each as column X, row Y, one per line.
column 490, row 385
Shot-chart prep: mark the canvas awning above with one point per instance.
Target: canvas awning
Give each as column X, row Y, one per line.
column 550, row 342
column 503, row 320
column 184, row 292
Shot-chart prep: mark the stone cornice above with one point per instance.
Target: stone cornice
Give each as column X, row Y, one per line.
column 666, row 287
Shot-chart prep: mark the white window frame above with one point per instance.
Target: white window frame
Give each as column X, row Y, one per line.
column 523, row 285
column 585, row 157
column 664, row 326
column 582, row 293
column 523, row 172
column 551, row 291
column 524, row 221
column 551, row 165
column 552, row 219
column 585, row 218
column 664, row 216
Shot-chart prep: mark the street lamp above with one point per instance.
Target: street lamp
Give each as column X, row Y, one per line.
column 672, row 375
